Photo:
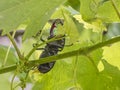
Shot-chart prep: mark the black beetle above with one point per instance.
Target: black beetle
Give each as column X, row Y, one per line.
column 52, row 48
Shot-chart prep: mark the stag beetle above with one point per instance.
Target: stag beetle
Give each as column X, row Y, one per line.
column 51, row 48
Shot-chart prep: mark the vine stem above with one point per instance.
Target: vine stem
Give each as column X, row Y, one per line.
column 115, row 7
column 15, row 46
column 12, row 81
column 8, row 69
column 83, row 51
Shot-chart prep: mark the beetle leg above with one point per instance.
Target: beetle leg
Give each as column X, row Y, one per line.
column 40, row 49
column 42, row 39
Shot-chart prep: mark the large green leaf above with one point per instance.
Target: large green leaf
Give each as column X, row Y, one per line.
column 107, row 12
column 71, row 73
column 86, row 10
column 99, row 9
column 111, row 54
column 81, row 73
column 11, row 59
column 36, row 12
column 113, row 74
column 5, row 82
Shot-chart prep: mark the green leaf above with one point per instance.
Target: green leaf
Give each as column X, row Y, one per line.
column 12, row 58
column 27, row 45
column 99, row 9
column 96, row 56
column 4, row 5
column 113, row 74
column 80, row 26
column 89, row 79
column 34, row 11
column 74, row 4
column 41, row 15
column 70, row 29
column 85, row 9
column 51, row 77
column 70, row 73
column 5, row 82
column 111, row 54
column 107, row 12
column 81, row 72
column 89, row 37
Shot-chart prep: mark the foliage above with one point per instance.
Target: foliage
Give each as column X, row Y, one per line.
column 90, row 59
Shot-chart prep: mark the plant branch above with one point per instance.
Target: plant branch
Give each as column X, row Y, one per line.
column 15, row 46
column 8, row 69
column 12, row 81
column 65, row 55
column 81, row 51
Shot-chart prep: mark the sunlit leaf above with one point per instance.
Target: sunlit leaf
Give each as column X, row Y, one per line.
column 34, row 11
column 111, row 54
